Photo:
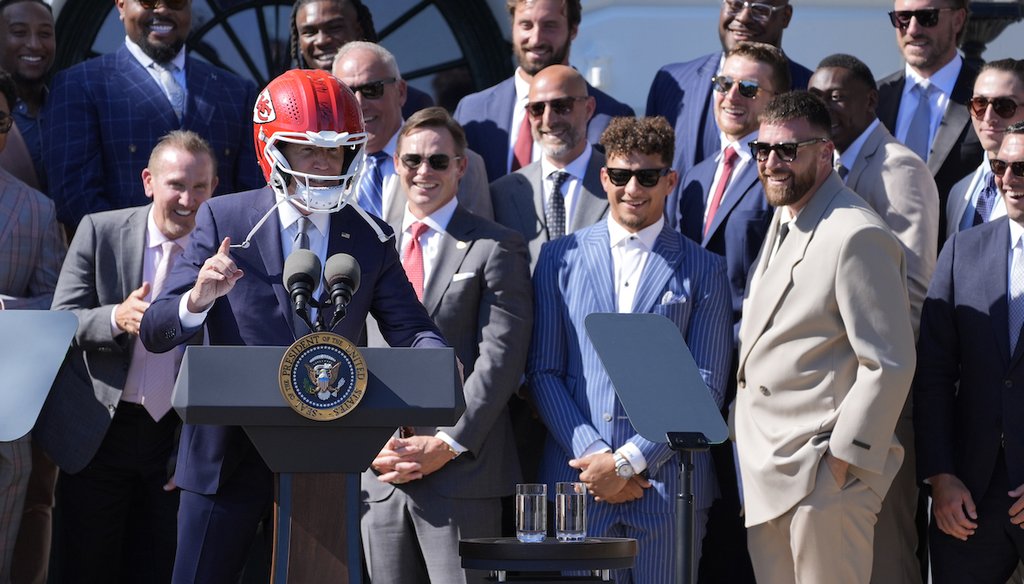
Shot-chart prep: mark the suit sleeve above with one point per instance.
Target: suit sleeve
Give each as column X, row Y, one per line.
column 871, row 297
column 248, row 174
column 548, row 361
column 938, row 372
column 656, row 105
column 505, row 321
column 474, row 192
column 77, row 292
column 72, row 152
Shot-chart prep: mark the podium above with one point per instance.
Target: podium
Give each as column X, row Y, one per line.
column 317, row 464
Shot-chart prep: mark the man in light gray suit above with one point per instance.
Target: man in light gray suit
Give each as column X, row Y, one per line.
column 559, row 109
column 107, row 423
column 371, row 72
column 429, row 487
column 897, row 184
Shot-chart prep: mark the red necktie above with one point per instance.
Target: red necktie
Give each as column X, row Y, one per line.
column 522, row 154
column 727, row 164
column 412, row 257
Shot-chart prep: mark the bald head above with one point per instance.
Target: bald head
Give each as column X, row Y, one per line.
column 371, row 72
column 561, row 127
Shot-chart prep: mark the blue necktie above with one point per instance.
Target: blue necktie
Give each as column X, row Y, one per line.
column 986, row 199
column 919, row 133
column 370, row 194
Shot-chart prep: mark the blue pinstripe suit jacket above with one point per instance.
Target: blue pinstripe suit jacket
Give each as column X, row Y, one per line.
column 574, row 395
column 104, row 116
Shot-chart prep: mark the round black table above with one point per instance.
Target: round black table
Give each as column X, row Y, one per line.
column 598, row 555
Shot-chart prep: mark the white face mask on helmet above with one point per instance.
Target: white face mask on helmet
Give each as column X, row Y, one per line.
column 313, row 192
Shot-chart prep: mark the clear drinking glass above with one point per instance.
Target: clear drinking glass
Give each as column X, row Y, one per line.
column 531, row 512
column 571, row 511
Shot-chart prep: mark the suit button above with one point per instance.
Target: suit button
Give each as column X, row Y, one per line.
column 1008, row 383
column 227, row 152
column 742, row 384
column 132, row 148
column 607, row 417
column 764, row 391
column 169, row 334
column 111, row 408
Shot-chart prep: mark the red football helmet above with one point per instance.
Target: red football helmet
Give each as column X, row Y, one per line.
column 309, row 107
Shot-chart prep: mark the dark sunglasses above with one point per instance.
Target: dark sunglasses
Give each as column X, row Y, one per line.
column 1003, row 106
column 927, row 17
column 561, row 106
column 746, row 87
column 999, row 167
column 647, row 177
column 6, row 121
column 373, row 89
column 169, row 4
column 786, row 151
column 758, row 11
column 436, row 161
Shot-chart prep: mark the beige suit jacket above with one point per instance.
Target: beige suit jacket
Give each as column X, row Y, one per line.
column 900, row 188
column 826, row 353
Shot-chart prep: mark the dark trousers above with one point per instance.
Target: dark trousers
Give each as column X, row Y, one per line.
column 993, row 552
column 117, row 524
column 216, row 532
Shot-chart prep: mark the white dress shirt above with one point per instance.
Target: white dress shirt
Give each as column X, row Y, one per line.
column 571, row 188
column 147, row 63
column 944, row 79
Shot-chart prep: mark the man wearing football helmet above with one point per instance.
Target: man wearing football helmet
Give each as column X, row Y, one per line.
column 308, row 133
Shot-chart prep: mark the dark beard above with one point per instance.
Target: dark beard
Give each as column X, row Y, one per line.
column 790, row 194
column 557, row 57
column 160, row 53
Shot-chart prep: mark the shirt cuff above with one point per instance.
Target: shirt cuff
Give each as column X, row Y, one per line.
column 596, row 447
column 450, row 442
column 114, row 329
column 634, row 456
column 190, row 320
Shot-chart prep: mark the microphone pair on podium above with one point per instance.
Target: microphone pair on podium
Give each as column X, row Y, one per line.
column 302, row 274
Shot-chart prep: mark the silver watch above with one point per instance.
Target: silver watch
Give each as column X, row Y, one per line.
column 623, row 468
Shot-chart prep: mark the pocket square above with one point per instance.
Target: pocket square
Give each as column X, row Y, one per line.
column 462, row 276
column 669, row 298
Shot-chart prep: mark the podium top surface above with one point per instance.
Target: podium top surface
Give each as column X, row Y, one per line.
column 508, row 553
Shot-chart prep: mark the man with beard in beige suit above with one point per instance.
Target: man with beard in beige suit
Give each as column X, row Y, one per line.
column 826, row 358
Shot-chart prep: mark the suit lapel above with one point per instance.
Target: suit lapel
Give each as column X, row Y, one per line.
column 132, row 243
column 266, row 245
column 867, row 152
column 597, row 261
column 592, row 203
column 993, row 265
column 396, row 199
column 745, row 181
column 144, row 91
column 455, row 244
column 661, row 264
column 953, row 121
column 702, row 118
column 199, row 110
column 890, row 95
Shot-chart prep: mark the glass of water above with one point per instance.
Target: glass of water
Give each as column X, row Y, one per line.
column 531, row 512
column 571, row 511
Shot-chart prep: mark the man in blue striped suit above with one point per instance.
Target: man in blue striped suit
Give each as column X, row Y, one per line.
column 632, row 262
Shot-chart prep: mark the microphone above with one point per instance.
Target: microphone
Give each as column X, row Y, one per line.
column 342, row 274
column 301, row 274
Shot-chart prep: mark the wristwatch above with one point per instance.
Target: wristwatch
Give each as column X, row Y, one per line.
column 623, row 468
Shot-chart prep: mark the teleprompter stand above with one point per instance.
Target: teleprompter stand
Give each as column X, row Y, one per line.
column 667, row 401
column 316, row 523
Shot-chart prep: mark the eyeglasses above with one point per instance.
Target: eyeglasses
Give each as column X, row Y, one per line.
column 373, row 89
column 999, row 167
column 6, row 121
column 647, row 177
column 169, row 4
column 786, row 151
column 1003, row 106
column 927, row 17
column 436, row 161
column 747, row 88
column 562, row 106
column 758, row 11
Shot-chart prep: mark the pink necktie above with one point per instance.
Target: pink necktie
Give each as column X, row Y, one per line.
column 161, row 369
column 727, row 164
column 522, row 153
column 412, row 257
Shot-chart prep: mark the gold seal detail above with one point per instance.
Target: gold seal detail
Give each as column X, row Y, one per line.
column 322, row 376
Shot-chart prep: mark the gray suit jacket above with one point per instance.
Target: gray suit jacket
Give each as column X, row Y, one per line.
column 480, row 296
column 103, row 266
column 900, row 188
column 472, row 193
column 519, row 203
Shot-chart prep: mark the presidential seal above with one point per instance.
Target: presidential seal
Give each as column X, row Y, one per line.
column 322, row 376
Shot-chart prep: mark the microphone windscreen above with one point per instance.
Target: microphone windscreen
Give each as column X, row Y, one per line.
column 342, row 267
column 302, row 266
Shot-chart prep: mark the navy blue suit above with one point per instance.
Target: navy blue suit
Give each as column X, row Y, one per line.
column 257, row 311
column 682, row 93
column 104, row 116
column 487, row 118
column 739, row 225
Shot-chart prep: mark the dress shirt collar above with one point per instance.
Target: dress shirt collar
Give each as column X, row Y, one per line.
column 576, row 169
column 437, row 221
column 392, row 145
column 145, row 60
column 944, row 78
column 522, row 86
column 740, row 146
column 155, row 238
column 617, row 234
column 848, row 157
column 1016, row 233
column 288, row 215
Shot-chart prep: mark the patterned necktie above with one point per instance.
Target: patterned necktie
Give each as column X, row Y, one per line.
column 175, row 94
column 161, row 369
column 841, row 170
column 412, row 257
column 370, row 194
column 522, row 153
column 554, row 214
column 1016, row 299
column 728, row 162
column 986, row 199
column 301, row 240
column 919, row 133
